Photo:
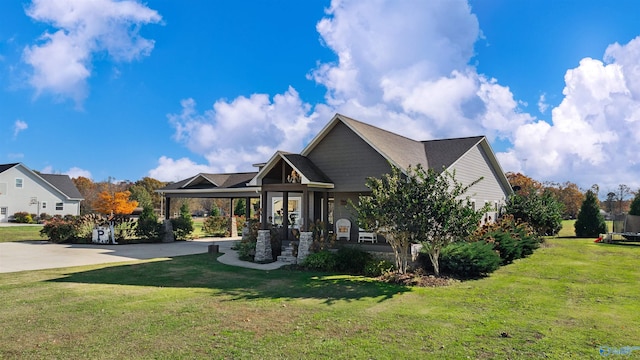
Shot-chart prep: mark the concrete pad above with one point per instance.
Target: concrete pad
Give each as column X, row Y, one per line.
column 36, row 255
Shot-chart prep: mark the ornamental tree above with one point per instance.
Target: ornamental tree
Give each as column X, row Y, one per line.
column 421, row 206
column 540, row 210
column 116, row 204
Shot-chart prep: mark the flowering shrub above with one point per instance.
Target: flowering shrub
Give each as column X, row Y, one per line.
column 59, row 230
column 23, row 217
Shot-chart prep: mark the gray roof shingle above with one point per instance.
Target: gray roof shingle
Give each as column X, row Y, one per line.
column 64, row 184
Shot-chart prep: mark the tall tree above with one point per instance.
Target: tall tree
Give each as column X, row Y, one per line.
column 635, row 204
column 590, row 222
column 569, row 195
column 151, row 185
column 522, row 183
column 89, row 192
column 418, row 207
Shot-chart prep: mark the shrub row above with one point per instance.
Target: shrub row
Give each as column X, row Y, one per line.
column 492, row 245
column 347, row 260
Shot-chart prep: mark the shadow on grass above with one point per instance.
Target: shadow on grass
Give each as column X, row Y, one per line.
column 204, row 271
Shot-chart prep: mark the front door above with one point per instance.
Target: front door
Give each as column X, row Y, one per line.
column 3, row 214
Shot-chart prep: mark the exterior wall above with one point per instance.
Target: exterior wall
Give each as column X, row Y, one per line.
column 347, row 159
column 473, row 165
column 342, row 210
column 18, row 199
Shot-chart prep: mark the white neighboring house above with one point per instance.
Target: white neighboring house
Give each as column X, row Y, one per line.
column 22, row 189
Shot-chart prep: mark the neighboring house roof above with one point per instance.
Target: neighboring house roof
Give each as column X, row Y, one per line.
column 5, row 167
column 61, row 183
column 64, row 184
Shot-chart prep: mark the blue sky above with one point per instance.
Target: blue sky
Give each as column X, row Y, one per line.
column 125, row 89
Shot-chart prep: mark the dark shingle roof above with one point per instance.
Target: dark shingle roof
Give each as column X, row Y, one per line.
column 307, row 168
column 208, row 181
column 64, row 184
column 5, row 167
column 398, row 149
column 441, row 154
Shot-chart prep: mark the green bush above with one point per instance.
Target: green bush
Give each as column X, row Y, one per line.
column 183, row 224
column 148, row 226
column 321, row 261
column 216, row 226
column 246, row 249
column 377, row 267
column 351, row 260
column 513, row 239
column 23, row 217
column 469, row 260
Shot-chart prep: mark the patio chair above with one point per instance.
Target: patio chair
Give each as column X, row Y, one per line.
column 343, row 229
column 364, row 235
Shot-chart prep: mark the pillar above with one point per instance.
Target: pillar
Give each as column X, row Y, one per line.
column 263, row 247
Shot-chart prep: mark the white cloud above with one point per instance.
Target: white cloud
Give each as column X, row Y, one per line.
column 594, row 132
column 73, row 172
column 19, row 126
column 173, row 170
column 404, row 66
column 233, row 135
column 62, row 60
column 76, row 172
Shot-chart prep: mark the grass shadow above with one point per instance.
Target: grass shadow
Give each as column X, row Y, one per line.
column 204, row 271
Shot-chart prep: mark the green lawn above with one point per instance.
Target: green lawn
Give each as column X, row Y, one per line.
column 20, row 233
column 565, row 301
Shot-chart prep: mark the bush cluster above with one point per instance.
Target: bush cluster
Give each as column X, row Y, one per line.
column 60, row 230
column 216, row 226
column 148, row 226
column 469, row 260
column 511, row 238
column 24, row 217
column 347, row 260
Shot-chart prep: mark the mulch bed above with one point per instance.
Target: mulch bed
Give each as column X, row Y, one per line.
column 418, row 279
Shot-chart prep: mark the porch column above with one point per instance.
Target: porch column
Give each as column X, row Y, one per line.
column 305, row 209
column 285, row 214
column 325, row 208
column 247, row 208
column 167, row 208
column 263, row 213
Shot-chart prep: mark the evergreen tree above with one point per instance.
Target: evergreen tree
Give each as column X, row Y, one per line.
column 590, row 222
column 635, row 205
column 240, row 208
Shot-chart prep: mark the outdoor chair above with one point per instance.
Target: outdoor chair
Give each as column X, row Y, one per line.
column 343, row 229
column 364, row 235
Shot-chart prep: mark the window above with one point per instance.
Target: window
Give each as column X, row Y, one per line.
column 3, row 211
column 294, row 211
column 18, row 183
column 59, row 206
column 44, row 205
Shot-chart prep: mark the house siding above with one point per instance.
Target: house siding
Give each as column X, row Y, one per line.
column 473, row 165
column 348, row 160
column 18, row 199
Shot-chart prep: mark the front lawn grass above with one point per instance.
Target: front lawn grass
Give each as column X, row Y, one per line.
column 20, row 233
column 565, row 301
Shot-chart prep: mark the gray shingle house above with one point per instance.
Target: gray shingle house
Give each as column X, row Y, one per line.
column 23, row 190
column 318, row 182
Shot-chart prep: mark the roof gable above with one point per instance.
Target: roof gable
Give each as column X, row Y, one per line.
column 309, row 173
column 441, row 154
column 5, row 167
column 398, row 150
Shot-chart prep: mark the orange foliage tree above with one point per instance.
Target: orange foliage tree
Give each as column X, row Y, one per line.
column 118, row 204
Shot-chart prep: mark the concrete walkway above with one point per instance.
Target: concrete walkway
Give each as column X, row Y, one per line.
column 36, row 255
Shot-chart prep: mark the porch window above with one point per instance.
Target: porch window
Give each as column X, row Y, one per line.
column 294, row 209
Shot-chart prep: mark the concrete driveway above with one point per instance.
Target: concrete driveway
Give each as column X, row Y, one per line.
column 35, row 255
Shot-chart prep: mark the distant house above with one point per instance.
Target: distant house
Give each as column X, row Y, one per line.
column 333, row 168
column 23, row 190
